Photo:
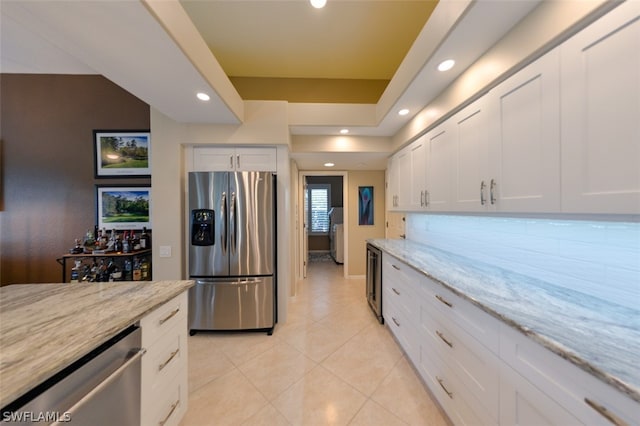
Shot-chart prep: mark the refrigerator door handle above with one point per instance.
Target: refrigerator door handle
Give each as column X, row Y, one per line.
column 223, row 218
column 232, row 223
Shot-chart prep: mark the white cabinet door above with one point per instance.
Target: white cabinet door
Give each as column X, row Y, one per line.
column 224, row 159
column 600, row 86
column 418, row 180
column 525, row 139
column 404, row 177
column 213, row 159
column 256, row 159
column 471, row 140
column 440, row 168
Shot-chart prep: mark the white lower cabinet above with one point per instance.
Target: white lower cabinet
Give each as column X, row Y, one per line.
column 164, row 366
column 485, row 372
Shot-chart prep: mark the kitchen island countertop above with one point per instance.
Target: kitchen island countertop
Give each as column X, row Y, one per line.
column 46, row 327
column 600, row 337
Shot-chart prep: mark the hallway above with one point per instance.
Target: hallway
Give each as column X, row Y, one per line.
column 330, row 364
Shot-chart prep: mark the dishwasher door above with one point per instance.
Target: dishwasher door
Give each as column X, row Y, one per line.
column 102, row 388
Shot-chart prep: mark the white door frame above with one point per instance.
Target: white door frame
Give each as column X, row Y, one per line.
column 302, row 175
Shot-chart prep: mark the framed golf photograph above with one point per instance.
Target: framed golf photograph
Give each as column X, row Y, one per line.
column 122, row 153
column 123, row 207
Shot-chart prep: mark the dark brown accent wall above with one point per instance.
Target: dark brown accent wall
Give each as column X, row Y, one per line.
column 46, row 128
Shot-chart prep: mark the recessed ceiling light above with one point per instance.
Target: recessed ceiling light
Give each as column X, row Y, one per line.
column 203, row 96
column 318, row 4
column 446, row 65
column 329, row 164
column 344, row 131
column 403, row 112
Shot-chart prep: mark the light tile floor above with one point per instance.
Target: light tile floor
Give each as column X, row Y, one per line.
column 330, row 364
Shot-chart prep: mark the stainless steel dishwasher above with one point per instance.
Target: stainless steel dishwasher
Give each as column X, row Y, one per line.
column 102, row 388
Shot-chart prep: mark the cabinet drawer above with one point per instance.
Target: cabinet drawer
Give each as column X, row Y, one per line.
column 580, row 393
column 404, row 330
column 399, row 281
column 169, row 407
column 474, row 365
column 163, row 360
column 449, row 391
column 473, row 320
column 164, row 318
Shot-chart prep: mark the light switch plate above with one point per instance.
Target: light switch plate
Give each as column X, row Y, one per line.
column 165, row 251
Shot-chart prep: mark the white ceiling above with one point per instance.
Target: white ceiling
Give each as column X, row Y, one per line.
column 140, row 51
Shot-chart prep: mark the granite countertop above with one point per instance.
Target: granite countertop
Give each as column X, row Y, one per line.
column 600, row 337
column 46, row 327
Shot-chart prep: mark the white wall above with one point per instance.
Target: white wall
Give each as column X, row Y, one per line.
column 172, row 142
column 601, row 259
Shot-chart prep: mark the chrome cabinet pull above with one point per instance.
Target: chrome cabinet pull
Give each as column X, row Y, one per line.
column 427, row 197
column 395, row 321
column 173, row 408
column 395, row 267
column 440, row 298
column 440, row 381
column 173, row 355
column 492, row 187
column 168, row 317
column 605, row 413
column 482, row 187
column 421, row 198
column 441, row 336
column 395, row 291
column 231, row 162
column 238, row 161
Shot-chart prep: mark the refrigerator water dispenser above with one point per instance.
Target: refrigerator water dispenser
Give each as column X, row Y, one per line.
column 202, row 227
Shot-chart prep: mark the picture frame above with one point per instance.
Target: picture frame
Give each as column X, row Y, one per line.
column 123, row 207
column 122, row 153
column 365, row 205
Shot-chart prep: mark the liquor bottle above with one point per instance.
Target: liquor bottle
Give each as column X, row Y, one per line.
column 75, row 272
column 117, row 246
column 126, row 248
column 128, row 275
column 145, row 240
column 144, row 269
column 137, row 272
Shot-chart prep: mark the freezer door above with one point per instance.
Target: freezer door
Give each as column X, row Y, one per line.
column 232, row 304
column 251, row 223
column 208, row 192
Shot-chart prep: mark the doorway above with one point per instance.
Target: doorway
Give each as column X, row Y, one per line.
column 323, row 240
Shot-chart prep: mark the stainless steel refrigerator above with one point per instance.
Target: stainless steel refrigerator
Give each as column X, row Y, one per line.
column 232, row 251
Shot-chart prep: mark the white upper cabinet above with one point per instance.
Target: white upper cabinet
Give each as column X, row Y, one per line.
column 220, row 159
column 524, row 136
column 440, row 171
column 400, row 175
column 418, row 181
column 601, row 115
column 471, row 140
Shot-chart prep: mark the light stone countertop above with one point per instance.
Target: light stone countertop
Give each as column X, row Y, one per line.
column 46, row 327
column 600, row 337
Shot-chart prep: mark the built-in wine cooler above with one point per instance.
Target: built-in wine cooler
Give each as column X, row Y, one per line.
column 374, row 280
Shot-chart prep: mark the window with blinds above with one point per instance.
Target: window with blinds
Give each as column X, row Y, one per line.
column 319, row 196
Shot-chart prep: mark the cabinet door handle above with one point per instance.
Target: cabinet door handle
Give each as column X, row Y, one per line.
column 492, row 187
column 440, row 381
column 605, row 413
column 172, row 356
column 442, row 299
column 395, row 321
column 441, row 336
column 395, row 291
column 168, row 317
column 231, row 162
column 421, row 198
column 238, row 161
column 482, row 187
column 173, row 408
column 427, row 196
column 395, row 267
